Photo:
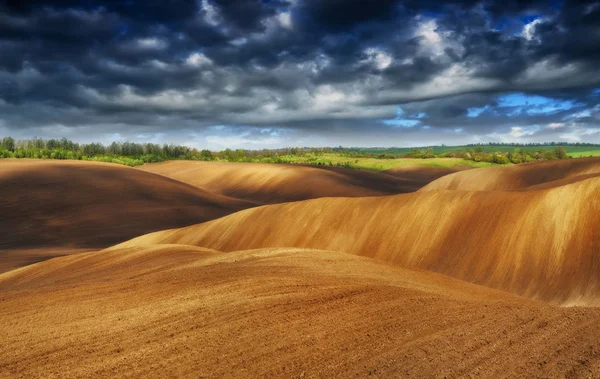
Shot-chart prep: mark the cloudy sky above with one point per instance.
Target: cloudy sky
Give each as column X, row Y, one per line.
column 273, row 73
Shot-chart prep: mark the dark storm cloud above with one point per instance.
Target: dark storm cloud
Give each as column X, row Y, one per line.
column 246, row 15
column 338, row 16
column 326, row 71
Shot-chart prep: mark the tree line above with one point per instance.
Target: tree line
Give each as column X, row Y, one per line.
column 534, row 144
column 134, row 154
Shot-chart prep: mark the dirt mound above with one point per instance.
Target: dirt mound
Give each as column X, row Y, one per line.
column 188, row 312
column 277, row 183
column 540, row 244
column 537, row 175
column 69, row 205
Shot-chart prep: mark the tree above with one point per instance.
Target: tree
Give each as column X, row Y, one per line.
column 8, row 143
column 93, row 149
column 206, row 155
column 114, row 148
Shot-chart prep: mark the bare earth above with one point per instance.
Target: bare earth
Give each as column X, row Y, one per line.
column 278, row 183
column 482, row 273
column 51, row 208
column 541, row 244
column 526, row 176
column 181, row 311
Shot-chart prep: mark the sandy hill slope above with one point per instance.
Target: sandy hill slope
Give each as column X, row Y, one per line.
column 422, row 174
column 181, row 311
column 541, row 244
column 53, row 207
column 277, row 183
column 528, row 176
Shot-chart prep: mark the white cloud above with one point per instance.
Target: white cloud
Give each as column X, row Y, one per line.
column 555, row 125
column 529, row 29
column 516, row 133
column 582, row 114
column 580, row 134
column 211, row 13
column 431, row 41
column 378, row 58
column 285, row 20
column 428, row 31
column 239, row 41
column 151, row 43
column 520, row 131
column 327, row 97
column 198, row 60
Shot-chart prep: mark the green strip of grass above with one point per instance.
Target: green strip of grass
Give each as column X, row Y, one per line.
column 588, row 153
column 374, row 164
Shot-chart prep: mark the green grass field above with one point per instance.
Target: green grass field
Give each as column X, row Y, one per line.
column 572, row 151
column 584, row 153
column 375, row 164
column 386, row 164
column 375, row 159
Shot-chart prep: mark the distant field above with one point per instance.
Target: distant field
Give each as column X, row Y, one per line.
column 572, row 151
column 584, row 153
column 377, row 164
column 370, row 158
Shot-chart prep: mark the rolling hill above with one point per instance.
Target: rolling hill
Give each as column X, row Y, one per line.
column 54, row 208
column 278, row 183
column 171, row 310
column 541, row 244
column 527, row 176
column 423, row 174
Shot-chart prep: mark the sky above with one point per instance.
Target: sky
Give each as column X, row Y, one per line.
column 277, row 73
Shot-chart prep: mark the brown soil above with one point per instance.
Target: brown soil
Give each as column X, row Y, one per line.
column 519, row 177
column 278, row 183
column 11, row 259
column 541, row 244
column 69, row 205
column 371, row 301
column 421, row 174
column 174, row 311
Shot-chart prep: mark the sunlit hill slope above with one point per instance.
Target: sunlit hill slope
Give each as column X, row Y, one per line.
column 542, row 244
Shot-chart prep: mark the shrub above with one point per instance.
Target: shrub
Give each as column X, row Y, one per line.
column 6, row 154
column 498, row 158
column 560, row 153
column 549, row 155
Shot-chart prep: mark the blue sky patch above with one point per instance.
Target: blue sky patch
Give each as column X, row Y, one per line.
column 402, row 122
column 522, row 104
column 475, row 112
